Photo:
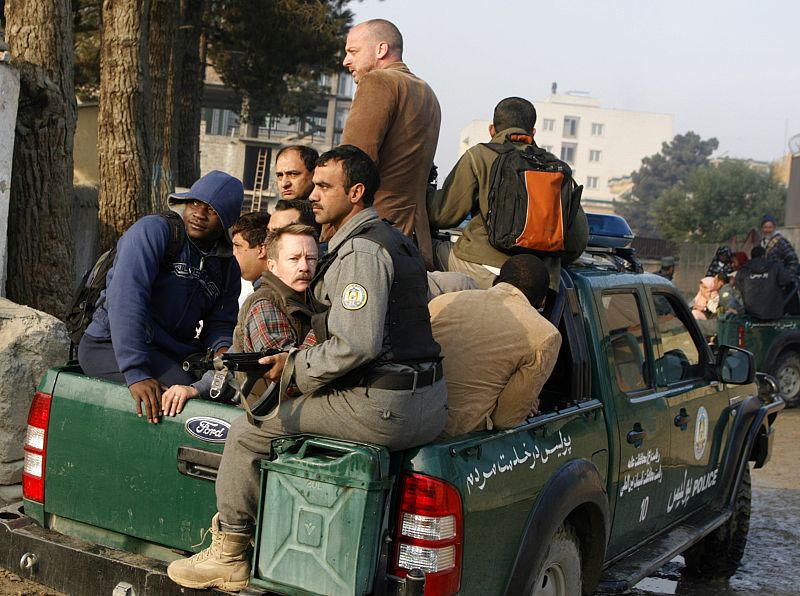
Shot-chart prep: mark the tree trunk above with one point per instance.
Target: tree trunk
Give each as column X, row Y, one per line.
column 122, row 123
column 189, row 76
column 163, row 19
column 249, row 119
column 40, row 246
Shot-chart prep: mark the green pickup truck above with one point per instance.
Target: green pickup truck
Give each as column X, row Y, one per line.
column 775, row 345
column 641, row 451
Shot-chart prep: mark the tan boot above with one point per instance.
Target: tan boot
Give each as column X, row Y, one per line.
column 223, row 565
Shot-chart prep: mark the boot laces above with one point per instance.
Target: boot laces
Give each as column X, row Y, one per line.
column 214, row 549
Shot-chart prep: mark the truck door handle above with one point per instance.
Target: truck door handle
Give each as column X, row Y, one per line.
column 682, row 419
column 198, row 463
column 636, row 436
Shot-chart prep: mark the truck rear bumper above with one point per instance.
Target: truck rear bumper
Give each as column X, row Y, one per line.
column 75, row 566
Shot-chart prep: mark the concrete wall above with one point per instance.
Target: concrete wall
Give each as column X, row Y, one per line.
column 85, row 228
column 86, row 166
column 221, row 153
column 9, row 93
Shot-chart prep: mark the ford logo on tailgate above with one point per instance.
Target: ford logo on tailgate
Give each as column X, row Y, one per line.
column 211, row 430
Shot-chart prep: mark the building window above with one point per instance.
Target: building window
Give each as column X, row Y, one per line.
column 345, row 85
column 594, row 155
column 591, row 182
column 597, row 129
column 548, row 124
column 571, row 126
column 219, row 121
column 568, row 152
column 340, row 117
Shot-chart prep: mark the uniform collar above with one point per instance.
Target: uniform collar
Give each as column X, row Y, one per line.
column 357, row 221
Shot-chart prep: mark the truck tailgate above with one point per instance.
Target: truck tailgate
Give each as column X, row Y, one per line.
column 108, row 468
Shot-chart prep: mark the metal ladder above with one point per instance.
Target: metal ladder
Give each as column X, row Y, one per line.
column 258, row 183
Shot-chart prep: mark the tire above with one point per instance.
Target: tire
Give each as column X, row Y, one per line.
column 787, row 371
column 718, row 555
column 560, row 574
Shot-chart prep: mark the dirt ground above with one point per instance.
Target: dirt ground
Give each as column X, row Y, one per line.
column 769, row 565
column 14, row 585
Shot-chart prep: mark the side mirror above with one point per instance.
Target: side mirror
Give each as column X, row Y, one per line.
column 735, row 365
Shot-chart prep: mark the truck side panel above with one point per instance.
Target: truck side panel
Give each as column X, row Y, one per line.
column 500, row 477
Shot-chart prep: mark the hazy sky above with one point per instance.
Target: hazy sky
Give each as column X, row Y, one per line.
column 724, row 68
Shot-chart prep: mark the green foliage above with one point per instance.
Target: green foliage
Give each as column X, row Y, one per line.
column 660, row 173
column 274, row 52
column 717, row 203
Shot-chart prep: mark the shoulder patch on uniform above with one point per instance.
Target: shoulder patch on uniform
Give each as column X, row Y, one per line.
column 354, row 296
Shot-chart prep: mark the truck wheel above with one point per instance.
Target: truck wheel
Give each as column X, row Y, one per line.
column 787, row 371
column 560, row 574
column 718, row 555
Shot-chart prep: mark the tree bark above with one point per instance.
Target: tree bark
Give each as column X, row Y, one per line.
column 40, row 246
column 163, row 19
column 122, row 127
column 189, row 77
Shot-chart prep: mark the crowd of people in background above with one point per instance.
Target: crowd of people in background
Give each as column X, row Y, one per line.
column 763, row 285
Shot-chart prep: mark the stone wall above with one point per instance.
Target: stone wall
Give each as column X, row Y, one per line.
column 30, row 342
column 221, row 153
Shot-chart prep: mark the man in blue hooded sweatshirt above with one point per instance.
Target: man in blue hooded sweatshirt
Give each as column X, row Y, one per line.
column 147, row 318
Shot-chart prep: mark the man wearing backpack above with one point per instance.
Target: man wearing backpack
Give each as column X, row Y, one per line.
column 146, row 320
column 466, row 191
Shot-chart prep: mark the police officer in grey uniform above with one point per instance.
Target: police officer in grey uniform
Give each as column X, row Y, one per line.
column 374, row 376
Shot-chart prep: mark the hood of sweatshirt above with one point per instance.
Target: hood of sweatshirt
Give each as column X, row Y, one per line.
column 219, row 190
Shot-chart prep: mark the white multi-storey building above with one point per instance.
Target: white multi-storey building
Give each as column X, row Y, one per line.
column 600, row 144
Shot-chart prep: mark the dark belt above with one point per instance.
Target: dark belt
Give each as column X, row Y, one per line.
column 399, row 381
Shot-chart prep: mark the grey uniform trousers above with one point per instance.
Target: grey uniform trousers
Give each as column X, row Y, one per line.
column 396, row 419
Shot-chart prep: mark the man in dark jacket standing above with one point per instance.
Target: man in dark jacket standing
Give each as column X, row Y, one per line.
column 146, row 321
column 395, row 119
column 777, row 247
column 764, row 285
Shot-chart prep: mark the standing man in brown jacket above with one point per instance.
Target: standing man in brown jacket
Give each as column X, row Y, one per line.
column 395, row 119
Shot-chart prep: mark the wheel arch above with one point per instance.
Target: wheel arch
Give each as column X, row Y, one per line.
column 752, row 421
column 789, row 341
column 575, row 494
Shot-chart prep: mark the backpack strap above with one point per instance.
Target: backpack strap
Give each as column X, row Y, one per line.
column 177, row 236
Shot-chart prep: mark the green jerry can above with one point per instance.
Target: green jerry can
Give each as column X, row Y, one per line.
column 320, row 516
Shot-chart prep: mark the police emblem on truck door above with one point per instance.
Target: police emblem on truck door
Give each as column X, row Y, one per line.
column 700, row 433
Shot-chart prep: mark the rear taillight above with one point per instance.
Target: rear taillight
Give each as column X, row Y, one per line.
column 741, row 336
column 429, row 533
column 35, row 448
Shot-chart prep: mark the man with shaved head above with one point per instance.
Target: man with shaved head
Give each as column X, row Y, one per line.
column 395, row 119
